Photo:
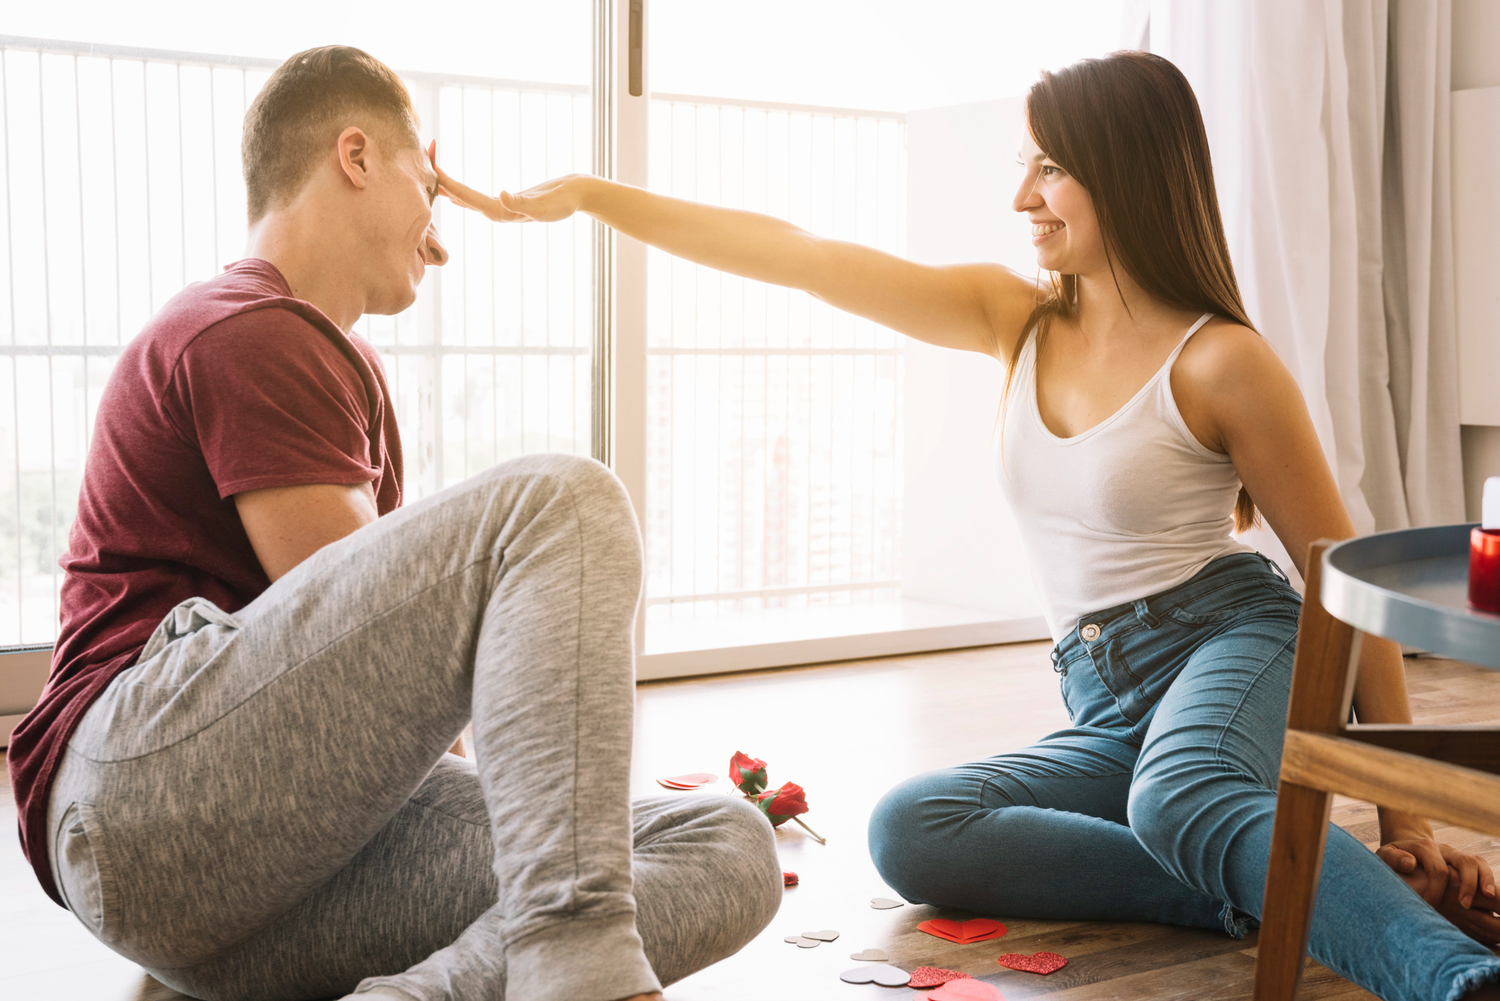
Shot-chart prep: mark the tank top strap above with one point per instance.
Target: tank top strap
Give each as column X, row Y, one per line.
column 1172, row 358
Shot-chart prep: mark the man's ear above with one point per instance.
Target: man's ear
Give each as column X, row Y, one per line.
column 354, row 156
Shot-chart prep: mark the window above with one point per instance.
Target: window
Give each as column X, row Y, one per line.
column 770, row 429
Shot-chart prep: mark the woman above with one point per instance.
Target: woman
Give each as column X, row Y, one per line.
column 1142, row 414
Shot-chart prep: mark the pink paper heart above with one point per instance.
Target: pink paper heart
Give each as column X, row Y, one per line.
column 692, row 781
column 967, row 990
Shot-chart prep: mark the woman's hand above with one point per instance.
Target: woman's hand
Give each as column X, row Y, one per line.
column 1459, row 886
column 550, row 201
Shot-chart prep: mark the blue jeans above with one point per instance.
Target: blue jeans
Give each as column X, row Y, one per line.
column 1157, row 804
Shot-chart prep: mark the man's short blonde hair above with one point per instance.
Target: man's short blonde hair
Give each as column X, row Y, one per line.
column 305, row 105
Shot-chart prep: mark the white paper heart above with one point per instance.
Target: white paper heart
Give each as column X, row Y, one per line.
column 884, row 903
column 826, row 935
column 870, row 956
column 885, row 976
column 801, row 942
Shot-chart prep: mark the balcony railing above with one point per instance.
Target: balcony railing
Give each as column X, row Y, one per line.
column 775, row 433
column 774, row 423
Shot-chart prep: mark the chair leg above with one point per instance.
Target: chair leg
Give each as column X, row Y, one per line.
column 1297, row 841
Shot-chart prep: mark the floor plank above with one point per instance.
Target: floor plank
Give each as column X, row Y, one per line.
column 846, row 732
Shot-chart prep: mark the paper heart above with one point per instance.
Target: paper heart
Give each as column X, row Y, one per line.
column 931, row 976
column 885, row 976
column 802, row 943
column 1038, row 962
column 869, row 956
column 692, row 781
column 967, row 990
column 963, row 932
column 826, row 935
column 884, row 903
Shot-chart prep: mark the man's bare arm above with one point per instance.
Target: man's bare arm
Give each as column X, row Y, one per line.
column 286, row 525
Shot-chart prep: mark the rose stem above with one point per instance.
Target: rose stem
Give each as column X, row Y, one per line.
column 820, row 839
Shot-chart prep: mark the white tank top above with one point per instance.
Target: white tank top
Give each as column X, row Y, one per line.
column 1132, row 506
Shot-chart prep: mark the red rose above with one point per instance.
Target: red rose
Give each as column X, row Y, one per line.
column 747, row 773
column 781, row 805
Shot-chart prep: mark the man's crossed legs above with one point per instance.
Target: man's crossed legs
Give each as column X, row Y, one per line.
column 261, row 806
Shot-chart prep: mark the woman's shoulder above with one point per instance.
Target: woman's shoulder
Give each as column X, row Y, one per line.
column 1226, row 372
column 1224, row 353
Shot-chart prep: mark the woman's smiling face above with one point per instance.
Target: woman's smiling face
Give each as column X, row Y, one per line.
column 1064, row 227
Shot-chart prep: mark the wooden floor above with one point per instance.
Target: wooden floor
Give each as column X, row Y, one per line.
column 846, row 732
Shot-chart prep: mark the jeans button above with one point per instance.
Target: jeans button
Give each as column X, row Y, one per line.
column 1089, row 632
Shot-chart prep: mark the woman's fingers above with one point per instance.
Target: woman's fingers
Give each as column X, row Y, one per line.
column 1473, row 873
column 1479, row 922
column 1468, row 879
column 1396, row 858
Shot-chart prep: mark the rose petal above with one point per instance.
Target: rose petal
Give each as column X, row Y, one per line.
column 789, row 879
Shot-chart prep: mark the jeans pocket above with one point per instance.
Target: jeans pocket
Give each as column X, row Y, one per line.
column 1062, row 687
column 83, row 875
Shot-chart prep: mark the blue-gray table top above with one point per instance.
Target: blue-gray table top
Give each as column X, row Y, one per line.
column 1412, row 586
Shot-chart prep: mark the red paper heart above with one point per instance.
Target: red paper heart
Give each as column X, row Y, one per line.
column 1037, row 962
column 692, row 781
column 967, row 989
column 963, row 932
column 931, row 976
column 788, row 879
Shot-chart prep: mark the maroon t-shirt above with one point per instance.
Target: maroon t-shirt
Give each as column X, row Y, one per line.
column 233, row 386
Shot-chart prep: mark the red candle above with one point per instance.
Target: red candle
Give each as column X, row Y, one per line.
column 1484, row 570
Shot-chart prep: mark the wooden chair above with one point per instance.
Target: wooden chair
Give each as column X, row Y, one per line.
column 1436, row 772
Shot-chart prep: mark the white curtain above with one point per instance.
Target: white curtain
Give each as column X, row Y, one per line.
column 1328, row 124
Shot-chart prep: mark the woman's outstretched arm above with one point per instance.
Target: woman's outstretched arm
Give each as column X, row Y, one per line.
column 972, row 307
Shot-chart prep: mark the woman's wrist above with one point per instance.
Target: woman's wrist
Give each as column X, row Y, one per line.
column 1396, row 825
column 590, row 192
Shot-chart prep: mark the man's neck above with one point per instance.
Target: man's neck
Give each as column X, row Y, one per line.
column 309, row 256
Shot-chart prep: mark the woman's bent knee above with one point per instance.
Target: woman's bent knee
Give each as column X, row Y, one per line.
column 899, row 844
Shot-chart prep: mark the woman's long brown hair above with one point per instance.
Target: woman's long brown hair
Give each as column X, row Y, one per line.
column 1128, row 128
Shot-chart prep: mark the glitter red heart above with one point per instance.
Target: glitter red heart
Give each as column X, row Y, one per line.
column 1038, row 962
column 963, row 932
column 931, row 976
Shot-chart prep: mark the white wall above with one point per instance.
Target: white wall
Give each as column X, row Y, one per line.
column 1476, row 64
column 960, row 546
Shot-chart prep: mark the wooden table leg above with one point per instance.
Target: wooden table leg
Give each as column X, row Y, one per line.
column 1297, row 843
column 1322, row 683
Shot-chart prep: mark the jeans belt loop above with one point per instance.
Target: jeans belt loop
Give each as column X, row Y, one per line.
column 1057, row 664
column 1144, row 613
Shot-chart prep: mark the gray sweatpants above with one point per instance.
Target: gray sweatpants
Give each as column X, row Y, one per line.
column 261, row 806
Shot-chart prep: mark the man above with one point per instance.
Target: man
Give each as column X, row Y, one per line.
column 236, row 776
